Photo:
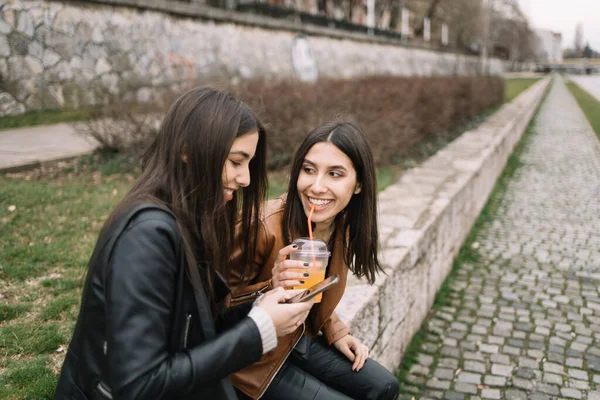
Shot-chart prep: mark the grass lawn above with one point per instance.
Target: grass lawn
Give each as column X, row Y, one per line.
column 47, row 117
column 515, row 86
column 588, row 103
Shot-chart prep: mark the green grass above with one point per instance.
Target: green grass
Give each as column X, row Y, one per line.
column 588, row 103
column 28, row 379
column 515, row 86
column 46, row 117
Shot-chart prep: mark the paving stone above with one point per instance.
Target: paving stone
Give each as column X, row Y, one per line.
column 522, row 383
column 474, row 366
column 425, row 359
column 448, row 363
column 571, row 393
column 491, row 380
column 490, row 394
column 553, row 379
column 593, row 396
column 525, row 372
column 581, row 385
column 553, row 368
column 454, row 396
column 500, row 359
column 437, row 384
column 502, row 370
column 469, row 377
column 547, row 388
column 444, row 373
column 514, row 394
column 465, row 388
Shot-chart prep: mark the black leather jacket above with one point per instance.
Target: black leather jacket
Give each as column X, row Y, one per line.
column 138, row 334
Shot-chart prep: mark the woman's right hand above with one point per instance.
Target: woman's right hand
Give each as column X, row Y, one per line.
column 288, row 273
column 286, row 317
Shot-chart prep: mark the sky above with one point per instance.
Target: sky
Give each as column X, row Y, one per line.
column 563, row 15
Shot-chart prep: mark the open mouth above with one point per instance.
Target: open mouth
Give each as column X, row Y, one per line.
column 229, row 194
column 319, row 203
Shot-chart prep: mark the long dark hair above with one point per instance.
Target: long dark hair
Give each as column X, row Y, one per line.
column 201, row 126
column 358, row 220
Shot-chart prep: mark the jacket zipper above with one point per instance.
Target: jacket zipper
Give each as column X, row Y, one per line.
column 249, row 295
column 186, row 330
column 104, row 390
column 284, row 360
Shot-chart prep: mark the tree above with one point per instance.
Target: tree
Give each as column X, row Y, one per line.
column 579, row 39
column 587, row 51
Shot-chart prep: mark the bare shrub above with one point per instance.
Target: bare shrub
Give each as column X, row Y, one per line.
column 396, row 113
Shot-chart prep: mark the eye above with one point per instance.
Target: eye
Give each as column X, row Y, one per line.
column 336, row 174
column 308, row 169
column 235, row 163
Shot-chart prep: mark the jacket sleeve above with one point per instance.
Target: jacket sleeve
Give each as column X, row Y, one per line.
column 334, row 329
column 140, row 285
column 242, row 278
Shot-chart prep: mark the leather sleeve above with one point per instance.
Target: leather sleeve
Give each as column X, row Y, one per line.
column 139, row 293
column 334, row 329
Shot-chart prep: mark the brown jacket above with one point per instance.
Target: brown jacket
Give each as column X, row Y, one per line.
column 255, row 379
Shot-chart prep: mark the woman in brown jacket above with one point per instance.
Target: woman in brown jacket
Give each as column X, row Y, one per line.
column 333, row 170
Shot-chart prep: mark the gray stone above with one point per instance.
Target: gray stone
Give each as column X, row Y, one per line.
column 4, row 47
column 469, row 377
column 26, row 24
column 474, row 366
column 444, row 374
column 553, row 368
column 525, row 372
column 514, row 394
column 453, row 396
column 578, row 373
column 490, row 394
column 522, row 384
column 553, row 379
column 437, row 384
column 465, row 388
column 548, row 389
column 572, row 393
column 491, row 380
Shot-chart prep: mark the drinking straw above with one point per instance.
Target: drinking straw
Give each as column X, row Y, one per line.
column 310, row 236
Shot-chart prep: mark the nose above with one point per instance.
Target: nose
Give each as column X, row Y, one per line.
column 243, row 177
column 319, row 185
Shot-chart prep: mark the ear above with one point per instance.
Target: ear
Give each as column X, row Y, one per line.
column 357, row 189
column 184, row 158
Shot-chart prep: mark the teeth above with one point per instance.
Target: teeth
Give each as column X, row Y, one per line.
column 319, row 202
column 229, row 192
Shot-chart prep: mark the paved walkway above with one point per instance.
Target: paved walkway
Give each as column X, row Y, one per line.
column 25, row 147
column 525, row 320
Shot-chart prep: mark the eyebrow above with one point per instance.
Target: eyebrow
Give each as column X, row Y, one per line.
column 306, row 160
column 240, row 153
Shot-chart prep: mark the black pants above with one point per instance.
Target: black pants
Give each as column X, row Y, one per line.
column 317, row 371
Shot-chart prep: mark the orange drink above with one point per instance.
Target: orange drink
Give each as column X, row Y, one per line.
column 316, row 254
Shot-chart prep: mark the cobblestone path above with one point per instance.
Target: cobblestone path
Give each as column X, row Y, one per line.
column 524, row 319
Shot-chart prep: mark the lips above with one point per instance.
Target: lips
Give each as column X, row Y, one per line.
column 229, row 194
column 319, row 203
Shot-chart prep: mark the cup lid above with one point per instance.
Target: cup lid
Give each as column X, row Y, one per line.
column 315, row 246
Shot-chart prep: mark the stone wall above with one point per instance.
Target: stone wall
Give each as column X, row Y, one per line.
column 424, row 219
column 68, row 54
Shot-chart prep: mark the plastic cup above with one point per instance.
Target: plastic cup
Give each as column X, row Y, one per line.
column 315, row 253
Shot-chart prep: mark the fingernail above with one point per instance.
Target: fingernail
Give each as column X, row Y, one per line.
column 302, row 282
column 306, row 274
column 294, row 246
column 306, row 264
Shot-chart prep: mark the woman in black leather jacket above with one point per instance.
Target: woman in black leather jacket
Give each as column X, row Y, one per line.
column 151, row 323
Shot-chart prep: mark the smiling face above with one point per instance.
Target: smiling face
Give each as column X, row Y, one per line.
column 236, row 171
column 327, row 180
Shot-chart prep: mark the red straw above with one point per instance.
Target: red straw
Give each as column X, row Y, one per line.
column 310, row 235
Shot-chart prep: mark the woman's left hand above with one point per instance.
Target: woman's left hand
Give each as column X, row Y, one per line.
column 352, row 348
